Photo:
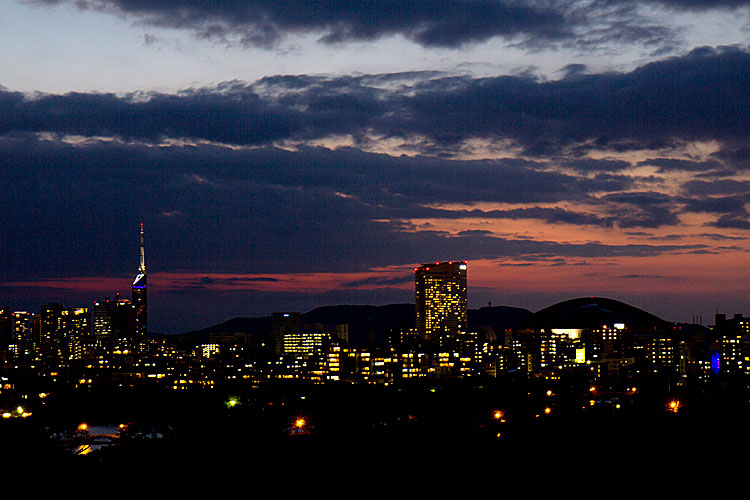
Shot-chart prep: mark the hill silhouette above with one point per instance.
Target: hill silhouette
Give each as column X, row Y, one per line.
column 368, row 325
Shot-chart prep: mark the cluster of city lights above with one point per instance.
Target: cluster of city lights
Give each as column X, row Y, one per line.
column 19, row 412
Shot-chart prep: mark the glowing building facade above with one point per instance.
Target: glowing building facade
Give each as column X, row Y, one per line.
column 304, row 344
column 60, row 323
column 282, row 324
column 730, row 335
column 114, row 319
column 5, row 328
column 441, row 301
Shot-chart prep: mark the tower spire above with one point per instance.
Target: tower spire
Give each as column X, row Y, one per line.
column 142, row 266
column 139, row 294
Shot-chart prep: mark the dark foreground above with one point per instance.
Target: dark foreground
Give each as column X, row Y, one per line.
column 421, row 426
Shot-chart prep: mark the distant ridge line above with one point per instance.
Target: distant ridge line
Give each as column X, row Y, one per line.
column 367, row 323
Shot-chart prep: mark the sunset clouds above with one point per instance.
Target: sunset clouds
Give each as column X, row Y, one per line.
column 301, row 189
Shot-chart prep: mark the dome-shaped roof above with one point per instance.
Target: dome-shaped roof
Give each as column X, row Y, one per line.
column 590, row 312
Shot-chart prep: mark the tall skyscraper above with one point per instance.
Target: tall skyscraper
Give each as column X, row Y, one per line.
column 441, row 300
column 139, row 295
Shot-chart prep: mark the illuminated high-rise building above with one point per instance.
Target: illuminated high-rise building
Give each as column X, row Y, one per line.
column 20, row 338
column 730, row 335
column 21, row 330
column 5, row 328
column 60, row 323
column 441, row 300
column 139, row 295
column 102, row 323
column 114, row 319
column 304, row 344
column 282, row 324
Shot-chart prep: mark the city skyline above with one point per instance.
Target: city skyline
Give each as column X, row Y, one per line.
column 290, row 157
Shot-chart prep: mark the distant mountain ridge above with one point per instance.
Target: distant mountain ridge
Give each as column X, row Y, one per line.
column 367, row 324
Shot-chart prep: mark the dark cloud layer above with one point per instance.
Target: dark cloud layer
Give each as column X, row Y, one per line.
column 699, row 5
column 701, row 96
column 642, row 209
column 444, row 24
column 723, row 205
column 448, row 23
column 71, row 210
column 671, row 164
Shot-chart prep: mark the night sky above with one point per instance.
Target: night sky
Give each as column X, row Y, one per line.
column 292, row 154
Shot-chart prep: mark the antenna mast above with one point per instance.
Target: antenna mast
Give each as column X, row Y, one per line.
column 142, row 267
